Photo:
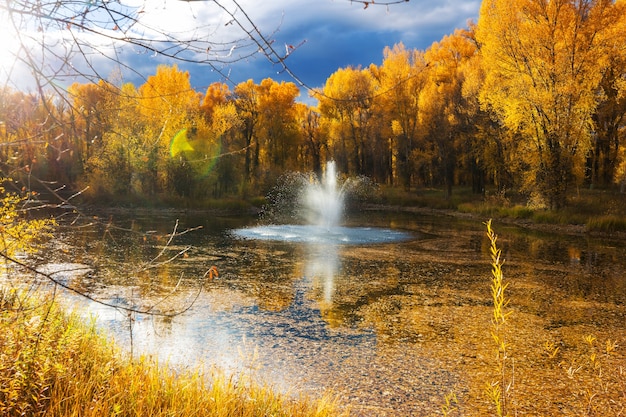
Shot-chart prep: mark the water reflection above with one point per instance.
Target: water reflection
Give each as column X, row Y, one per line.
column 322, row 264
column 390, row 327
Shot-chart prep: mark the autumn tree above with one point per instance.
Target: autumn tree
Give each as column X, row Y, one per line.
column 544, row 61
column 347, row 99
column 224, row 124
column 32, row 135
column 61, row 161
column 279, row 133
column 445, row 122
column 169, row 107
column 314, row 146
column 20, row 116
column 402, row 78
column 90, row 112
column 481, row 153
column 610, row 114
column 247, row 104
column 217, row 94
column 115, row 154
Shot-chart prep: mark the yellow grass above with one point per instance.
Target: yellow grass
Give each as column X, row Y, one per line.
column 53, row 364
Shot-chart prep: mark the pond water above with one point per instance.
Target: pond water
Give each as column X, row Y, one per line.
column 391, row 328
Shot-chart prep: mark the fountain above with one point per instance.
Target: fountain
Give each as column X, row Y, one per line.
column 323, row 203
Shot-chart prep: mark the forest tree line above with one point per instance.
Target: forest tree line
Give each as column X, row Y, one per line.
column 530, row 98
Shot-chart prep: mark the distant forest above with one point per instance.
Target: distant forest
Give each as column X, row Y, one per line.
column 528, row 99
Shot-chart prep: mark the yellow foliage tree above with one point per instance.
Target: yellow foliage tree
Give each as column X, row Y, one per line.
column 247, row 104
column 17, row 233
column 543, row 63
column 119, row 152
column 278, row 122
column 402, row 79
column 313, row 136
column 216, row 94
column 609, row 116
column 347, row 100
column 168, row 105
column 443, row 108
column 91, row 105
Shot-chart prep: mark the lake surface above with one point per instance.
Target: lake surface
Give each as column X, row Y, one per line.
column 391, row 328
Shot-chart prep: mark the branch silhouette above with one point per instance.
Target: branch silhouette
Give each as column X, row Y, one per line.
column 209, row 275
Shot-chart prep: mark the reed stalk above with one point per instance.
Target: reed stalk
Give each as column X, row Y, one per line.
column 499, row 389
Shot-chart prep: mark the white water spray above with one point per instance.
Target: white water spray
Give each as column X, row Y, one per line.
column 324, row 200
column 324, row 204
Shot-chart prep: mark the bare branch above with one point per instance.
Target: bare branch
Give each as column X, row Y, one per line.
column 208, row 275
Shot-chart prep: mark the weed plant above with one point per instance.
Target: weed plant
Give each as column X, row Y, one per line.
column 499, row 389
column 575, row 375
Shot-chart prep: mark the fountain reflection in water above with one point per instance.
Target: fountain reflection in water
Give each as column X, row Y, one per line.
column 324, row 204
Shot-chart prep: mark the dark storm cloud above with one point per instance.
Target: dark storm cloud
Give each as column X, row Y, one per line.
column 338, row 34
column 329, row 34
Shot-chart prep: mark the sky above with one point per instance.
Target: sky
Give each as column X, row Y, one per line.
column 333, row 34
column 315, row 37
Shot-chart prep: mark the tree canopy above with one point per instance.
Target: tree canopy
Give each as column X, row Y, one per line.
column 532, row 97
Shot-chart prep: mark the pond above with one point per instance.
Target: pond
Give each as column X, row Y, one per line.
column 391, row 328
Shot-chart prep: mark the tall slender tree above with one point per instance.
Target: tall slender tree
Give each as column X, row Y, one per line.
column 402, row 79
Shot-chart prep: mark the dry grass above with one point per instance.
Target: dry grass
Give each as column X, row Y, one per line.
column 53, row 364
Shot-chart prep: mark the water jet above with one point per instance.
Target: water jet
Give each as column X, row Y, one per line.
column 323, row 205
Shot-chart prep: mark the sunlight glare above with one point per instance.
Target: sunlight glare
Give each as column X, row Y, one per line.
column 10, row 44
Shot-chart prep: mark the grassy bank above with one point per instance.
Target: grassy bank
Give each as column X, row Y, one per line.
column 596, row 210
column 53, row 364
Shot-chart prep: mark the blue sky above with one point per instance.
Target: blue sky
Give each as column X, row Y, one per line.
column 329, row 34
column 333, row 34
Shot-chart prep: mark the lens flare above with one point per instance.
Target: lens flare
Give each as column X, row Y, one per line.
column 201, row 153
column 180, row 143
column 211, row 155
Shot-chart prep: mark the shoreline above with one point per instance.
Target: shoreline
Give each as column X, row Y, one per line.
column 251, row 210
